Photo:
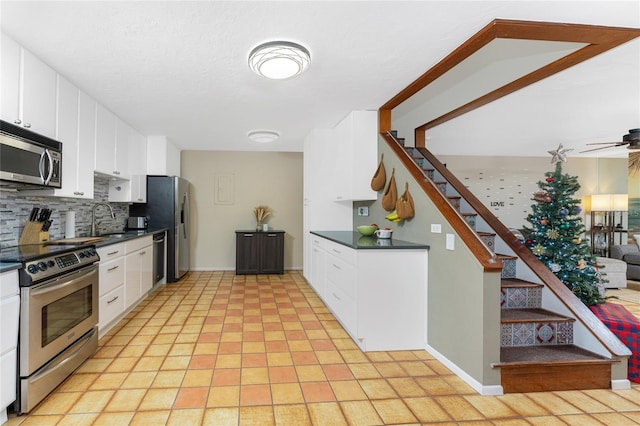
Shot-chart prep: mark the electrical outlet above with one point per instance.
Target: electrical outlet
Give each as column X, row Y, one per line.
column 436, row 228
column 363, row 211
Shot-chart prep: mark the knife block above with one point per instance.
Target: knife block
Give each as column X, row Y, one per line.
column 33, row 234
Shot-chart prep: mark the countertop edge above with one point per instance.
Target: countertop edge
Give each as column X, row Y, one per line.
column 9, row 266
column 350, row 239
column 128, row 236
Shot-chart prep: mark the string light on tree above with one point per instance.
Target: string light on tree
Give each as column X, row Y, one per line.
column 554, row 235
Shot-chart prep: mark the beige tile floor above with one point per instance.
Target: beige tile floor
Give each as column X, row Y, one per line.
column 220, row 349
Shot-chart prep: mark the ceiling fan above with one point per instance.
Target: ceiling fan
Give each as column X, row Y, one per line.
column 632, row 139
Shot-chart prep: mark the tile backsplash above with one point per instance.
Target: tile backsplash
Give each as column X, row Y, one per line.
column 15, row 209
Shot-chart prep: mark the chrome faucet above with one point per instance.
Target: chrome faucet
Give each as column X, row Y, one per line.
column 94, row 232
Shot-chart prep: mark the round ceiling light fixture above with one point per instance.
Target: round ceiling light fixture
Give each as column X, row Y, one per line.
column 263, row 136
column 279, row 59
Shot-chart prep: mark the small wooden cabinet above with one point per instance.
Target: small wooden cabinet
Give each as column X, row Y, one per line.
column 259, row 252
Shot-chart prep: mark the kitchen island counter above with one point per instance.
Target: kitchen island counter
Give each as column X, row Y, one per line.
column 356, row 241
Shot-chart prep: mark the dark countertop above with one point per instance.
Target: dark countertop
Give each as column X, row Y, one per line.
column 119, row 237
column 6, row 267
column 356, row 241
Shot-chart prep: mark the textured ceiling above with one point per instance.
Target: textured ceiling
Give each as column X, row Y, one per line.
column 179, row 68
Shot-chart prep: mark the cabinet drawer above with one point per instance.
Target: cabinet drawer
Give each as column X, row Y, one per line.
column 9, row 309
column 111, row 275
column 111, row 251
column 8, row 369
column 318, row 242
column 137, row 244
column 343, row 306
column 341, row 274
column 344, row 253
column 111, row 305
column 9, row 282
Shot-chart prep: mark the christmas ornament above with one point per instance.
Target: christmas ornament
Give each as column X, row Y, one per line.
column 553, row 234
column 538, row 250
column 559, row 154
column 540, row 196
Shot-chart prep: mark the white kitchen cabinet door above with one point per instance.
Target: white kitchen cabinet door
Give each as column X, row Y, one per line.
column 9, row 314
column 105, row 153
column 86, row 145
column 137, row 153
column 9, row 79
column 37, row 95
column 146, row 269
column 355, row 143
column 123, row 136
column 132, row 286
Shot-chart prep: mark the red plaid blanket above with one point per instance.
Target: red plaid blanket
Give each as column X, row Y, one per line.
column 627, row 328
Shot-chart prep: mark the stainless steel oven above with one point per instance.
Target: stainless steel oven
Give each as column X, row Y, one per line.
column 58, row 318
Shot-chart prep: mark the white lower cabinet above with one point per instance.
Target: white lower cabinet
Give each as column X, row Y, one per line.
column 126, row 271
column 139, row 269
column 378, row 295
column 111, row 284
column 9, row 313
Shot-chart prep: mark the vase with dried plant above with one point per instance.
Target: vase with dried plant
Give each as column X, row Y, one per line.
column 261, row 213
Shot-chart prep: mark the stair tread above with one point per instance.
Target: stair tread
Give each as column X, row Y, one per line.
column 515, row 283
column 485, row 234
column 547, row 354
column 509, row 315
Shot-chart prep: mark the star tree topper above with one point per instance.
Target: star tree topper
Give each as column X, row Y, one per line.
column 559, row 154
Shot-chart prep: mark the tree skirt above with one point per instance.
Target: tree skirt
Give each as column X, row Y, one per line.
column 627, row 328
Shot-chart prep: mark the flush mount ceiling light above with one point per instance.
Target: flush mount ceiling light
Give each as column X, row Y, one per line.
column 263, row 136
column 279, row 59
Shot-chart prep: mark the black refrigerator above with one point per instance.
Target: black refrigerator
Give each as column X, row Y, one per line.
column 168, row 207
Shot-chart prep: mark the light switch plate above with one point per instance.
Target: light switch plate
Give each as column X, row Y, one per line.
column 363, row 211
column 451, row 241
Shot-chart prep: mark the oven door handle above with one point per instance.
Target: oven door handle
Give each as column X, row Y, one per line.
column 48, row 288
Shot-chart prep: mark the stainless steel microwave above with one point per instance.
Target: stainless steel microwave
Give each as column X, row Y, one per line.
column 27, row 159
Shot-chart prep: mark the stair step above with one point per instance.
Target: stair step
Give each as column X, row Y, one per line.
column 442, row 186
column 534, row 327
column 524, row 315
column 489, row 239
column 470, row 218
column 515, row 294
column 508, row 265
column 552, row 368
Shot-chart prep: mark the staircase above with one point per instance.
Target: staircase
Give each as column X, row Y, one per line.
column 536, row 345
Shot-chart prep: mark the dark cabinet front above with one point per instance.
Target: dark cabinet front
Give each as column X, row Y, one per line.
column 259, row 252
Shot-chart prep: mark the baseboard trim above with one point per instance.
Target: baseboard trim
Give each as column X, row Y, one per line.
column 490, row 390
column 224, row 269
column 623, row 384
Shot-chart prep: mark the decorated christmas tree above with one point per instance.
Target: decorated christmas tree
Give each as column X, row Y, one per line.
column 554, row 236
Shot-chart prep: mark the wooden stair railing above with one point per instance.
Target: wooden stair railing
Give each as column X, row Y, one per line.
column 486, row 257
column 483, row 254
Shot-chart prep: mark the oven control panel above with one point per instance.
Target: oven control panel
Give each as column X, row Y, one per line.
column 59, row 264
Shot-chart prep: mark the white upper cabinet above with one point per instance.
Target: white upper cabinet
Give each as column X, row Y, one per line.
column 105, row 155
column 355, row 145
column 28, row 90
column 9, row 79
column 123, row 136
